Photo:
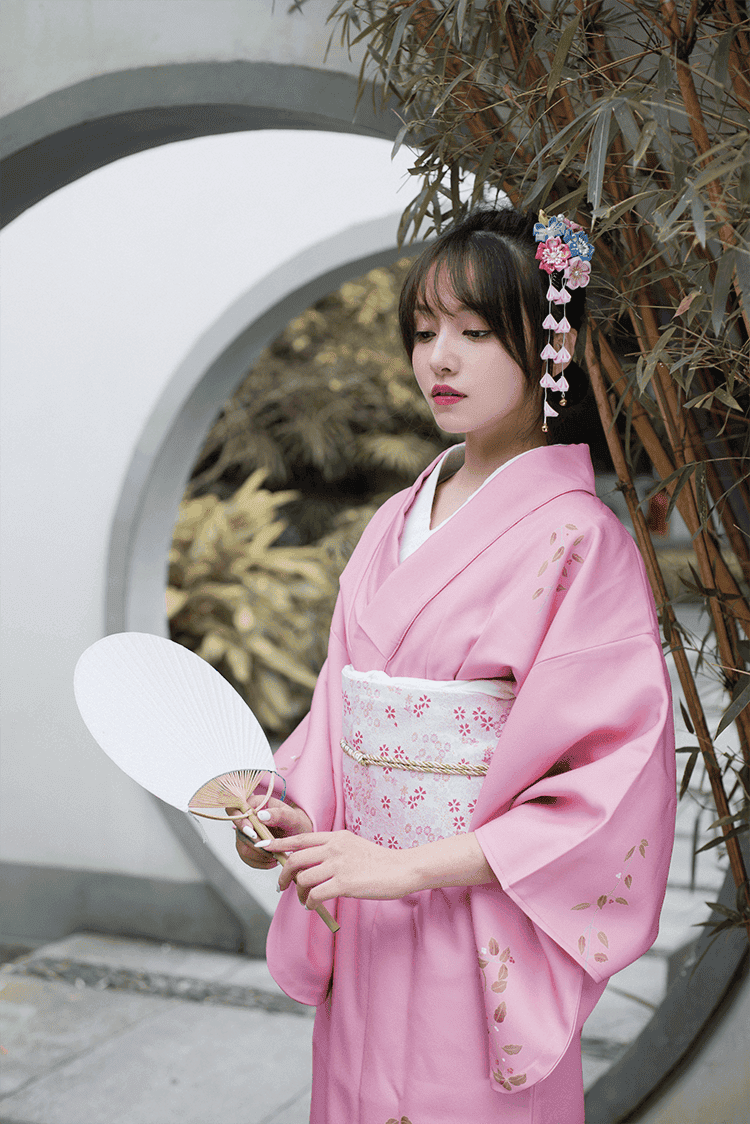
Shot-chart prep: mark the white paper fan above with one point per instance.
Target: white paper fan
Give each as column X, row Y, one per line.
column 173, row 724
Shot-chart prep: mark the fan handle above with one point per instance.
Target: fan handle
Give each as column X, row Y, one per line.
column 281, row 857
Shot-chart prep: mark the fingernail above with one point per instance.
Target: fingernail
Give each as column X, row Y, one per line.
column 249, row 832
column 264, row 815
column 264, row 842
column 278, row 889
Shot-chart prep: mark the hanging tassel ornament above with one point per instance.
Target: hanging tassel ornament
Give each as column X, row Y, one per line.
column 563, row 249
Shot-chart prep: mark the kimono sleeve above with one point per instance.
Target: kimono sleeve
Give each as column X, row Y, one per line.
column 299, row 948
column 584, row 849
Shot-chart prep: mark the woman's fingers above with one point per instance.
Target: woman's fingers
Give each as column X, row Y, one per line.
column 339, row 864
column 279, row 817
column 250, row 855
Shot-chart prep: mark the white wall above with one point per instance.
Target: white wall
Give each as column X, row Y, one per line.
column 106, row 286
column 68, row 41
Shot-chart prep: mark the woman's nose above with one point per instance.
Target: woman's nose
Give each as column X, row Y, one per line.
column 443, row 356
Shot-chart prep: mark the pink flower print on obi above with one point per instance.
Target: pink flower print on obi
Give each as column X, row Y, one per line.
column 402, row 805
column 421, row 706
column 347, row 703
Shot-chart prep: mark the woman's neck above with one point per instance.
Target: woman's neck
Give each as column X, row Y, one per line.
column 483, row 457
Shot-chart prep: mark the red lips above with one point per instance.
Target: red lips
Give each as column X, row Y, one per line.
column 442, row 389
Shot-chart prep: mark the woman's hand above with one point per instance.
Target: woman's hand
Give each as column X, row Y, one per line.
column 282, row 819
column 339, row 864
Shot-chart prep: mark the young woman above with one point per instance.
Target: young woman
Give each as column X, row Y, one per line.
column 484, row 787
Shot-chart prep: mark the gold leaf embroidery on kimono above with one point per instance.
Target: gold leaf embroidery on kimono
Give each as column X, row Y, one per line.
column 558, row 575
column 611, row 897
column 503, row 1072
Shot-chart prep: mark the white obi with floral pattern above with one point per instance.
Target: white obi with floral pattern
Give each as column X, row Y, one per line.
column 415, row 752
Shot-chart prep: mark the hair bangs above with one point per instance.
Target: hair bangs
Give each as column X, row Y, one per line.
column 485, row 273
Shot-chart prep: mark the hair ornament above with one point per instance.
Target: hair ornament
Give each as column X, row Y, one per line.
column 564, row 249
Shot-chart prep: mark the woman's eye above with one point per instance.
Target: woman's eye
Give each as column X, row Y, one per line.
column 478, row 333
column 425, row 334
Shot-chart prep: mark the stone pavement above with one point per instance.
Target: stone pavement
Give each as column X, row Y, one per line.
column 100, row 1030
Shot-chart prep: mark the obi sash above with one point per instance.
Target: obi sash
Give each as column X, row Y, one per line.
column 416, row 752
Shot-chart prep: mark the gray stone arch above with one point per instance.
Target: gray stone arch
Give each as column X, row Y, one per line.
column 66, row 134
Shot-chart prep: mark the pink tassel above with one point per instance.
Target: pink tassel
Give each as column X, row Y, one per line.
column 562, row 356
column 562, row 325
column 562, row 384
column 562, row 297
column 547, row 381
column 549, row 352
column 552, row 325
column 549, row 412
column 553, row 294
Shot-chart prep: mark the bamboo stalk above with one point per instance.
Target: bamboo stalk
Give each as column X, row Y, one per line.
column 656, row 578
column 664, row 466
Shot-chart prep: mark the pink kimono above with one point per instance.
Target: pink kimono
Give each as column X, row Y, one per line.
column 465, row 1005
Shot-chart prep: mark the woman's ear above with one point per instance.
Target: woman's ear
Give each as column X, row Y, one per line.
column 570, row 344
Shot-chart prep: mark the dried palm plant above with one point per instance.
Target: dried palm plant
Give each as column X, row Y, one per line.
column 330, row 409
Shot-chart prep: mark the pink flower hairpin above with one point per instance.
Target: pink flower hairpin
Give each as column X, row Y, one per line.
column 563, row 249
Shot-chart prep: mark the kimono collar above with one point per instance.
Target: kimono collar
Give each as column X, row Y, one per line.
column 523, row 487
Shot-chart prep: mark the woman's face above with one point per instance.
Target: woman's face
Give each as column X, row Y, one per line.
column 466, row 375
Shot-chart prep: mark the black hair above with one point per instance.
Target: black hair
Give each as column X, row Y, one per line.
column 489, row 262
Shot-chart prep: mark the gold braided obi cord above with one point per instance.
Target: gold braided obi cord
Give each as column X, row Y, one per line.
column 415, row 752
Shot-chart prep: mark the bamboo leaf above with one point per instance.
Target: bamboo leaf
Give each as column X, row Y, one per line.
column 698, row 215
column 653, row 357
column 733, row 834
column 721, row 290
column 461, row 18
column 740, row 699
column 627, row 122
column 688, row 772
column 742, row 265
column 481, row 173
column 400, row 138
column 615, row 212
column 542, row 186
column 561, row 54
column 721, row 56
column 597, row 157
column 398, row 32
column 683, row 475
column 648, row 132
column 728, row 399
column 716, row 171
